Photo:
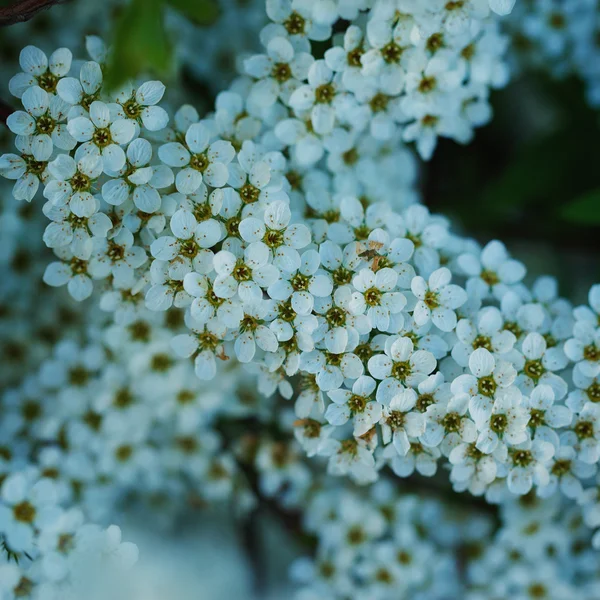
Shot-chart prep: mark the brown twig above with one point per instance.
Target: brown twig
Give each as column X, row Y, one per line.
column 23, row 10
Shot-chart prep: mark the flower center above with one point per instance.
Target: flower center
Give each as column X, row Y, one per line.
column 534, row 369
column 161, row 363
column 591, row 353
column 435, row 42
column 373, row 297
column 286, row 312
column 281, row 72
column 391, row 52
column 80, row 182
column 102, row 137
column 401, row 370
column 199, row 162
column 584, row 430
column 273, row 238
column 45, row 124
column 115, row 252
column 324, row 94
column 396, row 419
column 537, row 418
column 300, row 282
column 249, row 193
column 427, row 84
column 498, row 423
column 353, row 57
column 482, row 341
column 522, row 458
column 189, row 248
column 379, row 102
column 335, row 316
column 487, row 386
column 47, row 81
column 424, row 401
column 561, row 467
column 593, row 392
column 132, row 109
column 451, row 422
column 295, row 24
column 357, row 404
column 431, row 299
column 241, row 272
column 490, row 277
column 24, row 512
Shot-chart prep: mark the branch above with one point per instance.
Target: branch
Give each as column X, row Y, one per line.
column 23, row 10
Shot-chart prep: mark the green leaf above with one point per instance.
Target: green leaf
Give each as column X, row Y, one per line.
column 140, row 43
column 585, row 209
column 201, row 12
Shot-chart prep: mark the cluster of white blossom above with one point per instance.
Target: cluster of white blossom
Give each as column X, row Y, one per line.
column 388, row 545
column 560, row 36
column 49, row 551
column 283, row 230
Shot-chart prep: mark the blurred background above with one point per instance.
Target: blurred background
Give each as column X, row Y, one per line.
column 531, row 178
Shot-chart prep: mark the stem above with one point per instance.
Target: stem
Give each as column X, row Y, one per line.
column 23, row 10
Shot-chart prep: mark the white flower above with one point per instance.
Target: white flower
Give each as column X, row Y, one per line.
column 245, row 276
column 358, row 404
column 83, row 91
column 74, row 273
column 201, row 161
column 486, row 378
column 296, row 19
column 502, row 423
column 331, row 369
column 189, row 247
column 26, row 505
column 279, row 72
column 303, row 284
column 102, row 135
column 400, row 366
column 75, row 225
column 38, row 70
column 27, row 171
column 492, row 270
column 539, row 364
column 138, row 179
column 438, row 300
column 121, row 256
column 566, row 474
column 73, row 178
column 256, row 183
column 528, row 465
column 400, row 422
column 254, row 332
column 139, row 105
column 545, row 417
column 350, row 457
column 202, row 344
column 487, row 331
column 319, row 96
column 284, row 240
column 375, row 295
column 448, row 424
column 584, row 434
column 42, row 122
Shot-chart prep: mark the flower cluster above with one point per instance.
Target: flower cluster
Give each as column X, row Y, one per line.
column 560, row 37
column 278, row 243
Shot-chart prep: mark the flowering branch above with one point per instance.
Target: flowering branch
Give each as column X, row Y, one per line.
column 23, row 10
